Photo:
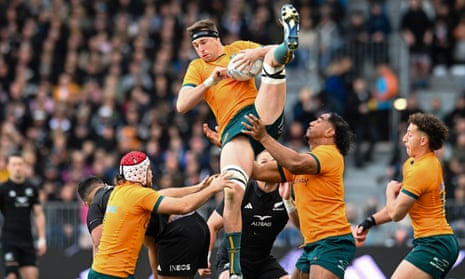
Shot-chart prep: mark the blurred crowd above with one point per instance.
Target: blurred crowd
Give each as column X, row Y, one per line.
column 82, row 82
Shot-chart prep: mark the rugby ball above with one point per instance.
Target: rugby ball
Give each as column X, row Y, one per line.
column 243, row 75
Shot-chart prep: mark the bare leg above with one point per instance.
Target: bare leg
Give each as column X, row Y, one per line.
column 406, row 270
column 29, row 272
column 237, row 157
column 271, row 96
column 319, row 272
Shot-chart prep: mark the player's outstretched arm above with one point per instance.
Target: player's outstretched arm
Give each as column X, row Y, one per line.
column 297, row 163
column 186, row 190
column 193, row 201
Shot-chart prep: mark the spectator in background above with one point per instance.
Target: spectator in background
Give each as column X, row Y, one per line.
column 436, row 107
column 459, row 37
column 457, row 112
column 361, row 120
column 307, row 53
column 329, row 37
column 305, row 108
column 416, row 30
column 358, row 39
column 443, row 42
column 385, row 90
column 335, row 86
column 379, row 29
column 455, row 206
column 413, row 106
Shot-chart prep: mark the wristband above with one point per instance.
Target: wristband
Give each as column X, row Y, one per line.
column 368, row 223
column 209, row 82
column 41, row 242
column 209, row 256
column 289, row 205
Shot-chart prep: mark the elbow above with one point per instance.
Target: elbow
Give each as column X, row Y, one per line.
column 396, row 216
column 184, row 208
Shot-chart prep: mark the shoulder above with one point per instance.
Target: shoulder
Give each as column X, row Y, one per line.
column 102, row 195
column 329, row 150
column 196, row 62
column 241, row 44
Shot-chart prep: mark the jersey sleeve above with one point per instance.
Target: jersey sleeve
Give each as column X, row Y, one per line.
column 245, row 44
column 193, row 76
column 94, row 217
column 415, row 183
column 97, row 208
column 35, row 198
column 149, row 199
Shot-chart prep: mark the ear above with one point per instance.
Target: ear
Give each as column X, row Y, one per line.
column 424, row 140
column 330, row 132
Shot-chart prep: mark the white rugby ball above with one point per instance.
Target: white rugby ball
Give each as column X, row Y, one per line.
column 243, row 75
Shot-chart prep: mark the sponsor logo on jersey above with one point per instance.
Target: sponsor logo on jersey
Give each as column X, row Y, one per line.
column 262, row 221
column 278, row 206
column 180, row 267
column 21, row 202
column 29, row 192
column 248, row 206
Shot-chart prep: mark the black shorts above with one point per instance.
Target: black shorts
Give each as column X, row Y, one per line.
column 23, row 254
column 183, row 246
column 268, row 268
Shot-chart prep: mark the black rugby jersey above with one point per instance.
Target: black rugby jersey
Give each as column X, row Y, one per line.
column 16, row 205
column 263, row 218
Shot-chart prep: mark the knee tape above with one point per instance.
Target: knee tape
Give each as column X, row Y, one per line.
column 273, row 75
column 239, row 175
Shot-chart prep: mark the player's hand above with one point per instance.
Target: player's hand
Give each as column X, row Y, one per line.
column 204, row 272
column 245, row 61
column 285, row 190
column 360, row 233
column 393, row 188
column 359, row 240
column 41, row 247
column 254, row 127
column 222, row 181
column 211, row 135
column 219, row 73
column 206, row 181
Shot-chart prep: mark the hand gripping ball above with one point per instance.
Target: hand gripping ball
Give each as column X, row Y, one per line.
column 243, row 75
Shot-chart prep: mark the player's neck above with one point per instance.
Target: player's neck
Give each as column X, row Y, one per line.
column 17, row 180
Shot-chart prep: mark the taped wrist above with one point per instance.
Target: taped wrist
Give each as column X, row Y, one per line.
column 41, row 242
column 289, row 205
column 368, row 223
column 209, row 82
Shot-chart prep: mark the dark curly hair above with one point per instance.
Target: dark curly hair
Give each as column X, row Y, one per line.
column 343, row 133
column 432, row 126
